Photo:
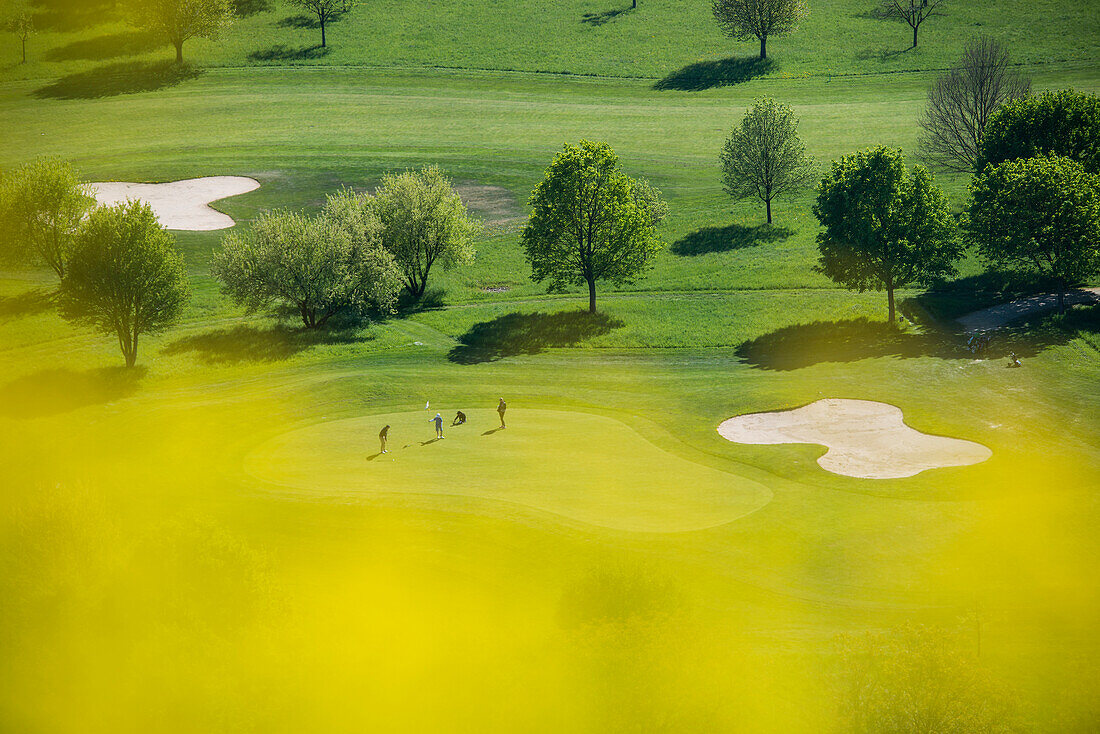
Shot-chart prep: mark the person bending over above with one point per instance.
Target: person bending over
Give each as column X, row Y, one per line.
column 382, row 436
column 460, row 418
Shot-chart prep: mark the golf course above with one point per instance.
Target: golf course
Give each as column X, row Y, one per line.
column 212, row 540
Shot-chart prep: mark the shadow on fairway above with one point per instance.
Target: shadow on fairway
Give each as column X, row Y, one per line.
column 72, row 15
column 51, row 392
column 604, row 17
column 528, row 333
column 28, row 303
column 245, row 8
column 709, row 74
column 125, row 77
column 724, row 239
column 954, row 298
column 491, row 431
column 110, row 46
column 279, row 52
column 850, row 340
column 248, row 344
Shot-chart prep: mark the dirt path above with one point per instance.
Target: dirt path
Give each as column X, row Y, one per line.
column 997, row 316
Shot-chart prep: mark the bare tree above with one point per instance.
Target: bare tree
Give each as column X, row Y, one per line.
column 20, row 21
column 743, row 19
column 913, row 12
column 325, row 10
column 961, row 102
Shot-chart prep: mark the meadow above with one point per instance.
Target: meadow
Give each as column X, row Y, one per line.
column 209, row 542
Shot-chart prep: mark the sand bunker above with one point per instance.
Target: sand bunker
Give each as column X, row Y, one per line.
column 180, row 204
column 866, row 439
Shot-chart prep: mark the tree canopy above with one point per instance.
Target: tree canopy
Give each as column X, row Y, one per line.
column 424, row 223
column 42, row 204
column 125, row 276
column 760, row 19
column 591, row 221
column 178, row 21
column 319, row 266
column 962, row 101
column 1039, row 215
column 1064, row 123
column 884, row 226
column 763, row 157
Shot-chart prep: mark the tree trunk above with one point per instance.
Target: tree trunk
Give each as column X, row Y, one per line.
column 591, row 295
column 24, row 51
column 768, row 204
column 322, row 32
column 890, row 300
column 914, row 36
column 179, row 51
column 634, row 4
column 763, row 47
column 1061, row 295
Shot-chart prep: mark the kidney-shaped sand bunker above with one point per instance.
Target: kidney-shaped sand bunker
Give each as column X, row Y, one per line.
column 866, row 439
column 180, row 205
column 584, row 467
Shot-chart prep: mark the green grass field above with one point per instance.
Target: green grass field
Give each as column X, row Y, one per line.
column 209, row 542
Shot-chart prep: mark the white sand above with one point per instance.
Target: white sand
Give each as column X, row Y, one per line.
column 180, row 204
column 866, row 439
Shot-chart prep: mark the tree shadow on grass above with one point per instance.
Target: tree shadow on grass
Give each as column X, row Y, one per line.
column 528, row 333
column 110, row 46
column 709, row 74
column 851, row 340
column 604, row 16
column 28, row 303
column 307, row 21
column 724, row 239
column 280, row 52
column 954, row 298
column 243, row 343
column 51, row 392
column 245, row 8
column 73, row 15
column 120, row 78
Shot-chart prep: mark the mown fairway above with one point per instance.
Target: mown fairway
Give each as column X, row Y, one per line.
column 210, row 545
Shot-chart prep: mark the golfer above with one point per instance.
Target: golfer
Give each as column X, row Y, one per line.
column 460, row 418
column 501, row 407
column 438, row 420
column 382, row 436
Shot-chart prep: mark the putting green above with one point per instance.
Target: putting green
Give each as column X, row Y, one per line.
column 584, row 467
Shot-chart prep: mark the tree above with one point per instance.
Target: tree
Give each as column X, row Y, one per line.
column 320, row 266
column 125, row 276
column 763, row 157
column 744, row 19
column 325, row 10
column 591, row 221
column 962, row 101
column 1039, row 214
column 20, row 20
column 178, row 21
column 42, row 204
column 1063, row 123
column 913, row 12
column 424, row 222
column 884, row 226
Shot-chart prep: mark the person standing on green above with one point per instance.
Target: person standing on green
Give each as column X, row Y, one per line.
column 501, row 407
column 382, row 436
column 438, row 420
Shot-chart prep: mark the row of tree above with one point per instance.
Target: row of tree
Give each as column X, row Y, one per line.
column 177, row 21
column 118, row 269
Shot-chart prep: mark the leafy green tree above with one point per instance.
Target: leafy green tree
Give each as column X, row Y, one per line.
column 1064, row 123
column 325, row 10
column 760, row 19
column 178, row 21
column 591, row 221
column 885, row 227
column 42, row 204
column 424, row 222
column 764, row 157
column 319, row 266
column 125, row 276
column 1040, row 215
column 17, row 18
